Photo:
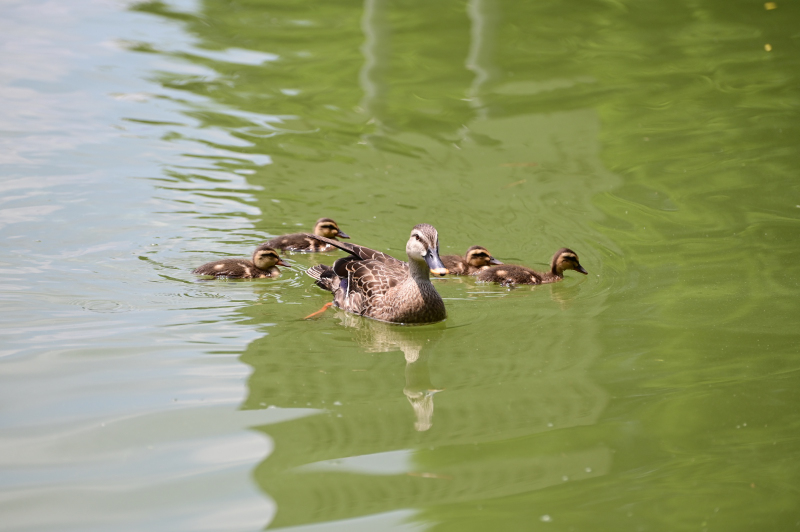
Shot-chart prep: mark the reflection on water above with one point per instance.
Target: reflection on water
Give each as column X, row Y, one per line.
column 419, row 391
column 499, row 413
column 378, row 337
column 482, row 443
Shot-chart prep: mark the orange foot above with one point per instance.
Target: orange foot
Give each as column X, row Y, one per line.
column 325, row 307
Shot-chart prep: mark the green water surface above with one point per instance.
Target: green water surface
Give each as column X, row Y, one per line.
column 659, row 140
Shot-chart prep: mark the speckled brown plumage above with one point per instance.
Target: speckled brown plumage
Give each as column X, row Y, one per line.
column 476, row 259
column 511, row 274
column 303, row 242
column 263, row 264
column 378, row 286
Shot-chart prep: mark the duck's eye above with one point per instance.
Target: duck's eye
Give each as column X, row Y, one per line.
column 417, row 237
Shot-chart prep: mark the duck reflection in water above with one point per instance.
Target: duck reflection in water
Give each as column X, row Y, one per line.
column 380, row 337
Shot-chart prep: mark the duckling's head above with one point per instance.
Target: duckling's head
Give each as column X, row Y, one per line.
column 479, row 257
column 423, row 246
column 566, row 259
column 264, row 257
column 329, row 229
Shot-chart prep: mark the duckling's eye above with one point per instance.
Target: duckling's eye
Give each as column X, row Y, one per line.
column 417, row 237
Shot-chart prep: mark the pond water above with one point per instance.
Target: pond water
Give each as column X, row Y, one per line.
column 658, row 140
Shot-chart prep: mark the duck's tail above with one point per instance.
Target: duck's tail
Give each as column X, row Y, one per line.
column 324, row 276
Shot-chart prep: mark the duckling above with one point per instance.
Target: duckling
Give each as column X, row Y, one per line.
column 476, row 259
column 511, row 274
column 375, row 285
column 303, row 242
column 263, row 264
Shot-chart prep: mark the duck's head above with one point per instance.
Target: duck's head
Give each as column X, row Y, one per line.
column 479, row 257
column 423, row 246
column 566, row 259
column 264, row 257
column 329, row 229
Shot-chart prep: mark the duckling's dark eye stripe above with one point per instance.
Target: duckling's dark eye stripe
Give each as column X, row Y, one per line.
column 329, row 226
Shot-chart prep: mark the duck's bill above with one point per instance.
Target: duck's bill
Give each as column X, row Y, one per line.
column 435, row 264
column 282, row 262
column 494, row 261
column 581, row 269
column 342, row 235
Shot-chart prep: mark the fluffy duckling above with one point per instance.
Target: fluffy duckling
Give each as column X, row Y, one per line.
column 476, row 259
column 302, row 242
column 511, row 274
column 263, row 264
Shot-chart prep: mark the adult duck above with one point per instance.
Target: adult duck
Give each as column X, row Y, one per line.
column 378, row 286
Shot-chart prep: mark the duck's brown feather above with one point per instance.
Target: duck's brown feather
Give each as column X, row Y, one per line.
column 455, row 264
column 508, row 275
column 476, row 259
column 325, row 227
column 235, row 269
column 373, row 284
column 511, row 274
column 361, row 252
column 298, row 242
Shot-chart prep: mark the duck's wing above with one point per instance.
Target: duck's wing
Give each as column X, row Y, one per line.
column 361, row 252
column 324, row 276
column 363, row 283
